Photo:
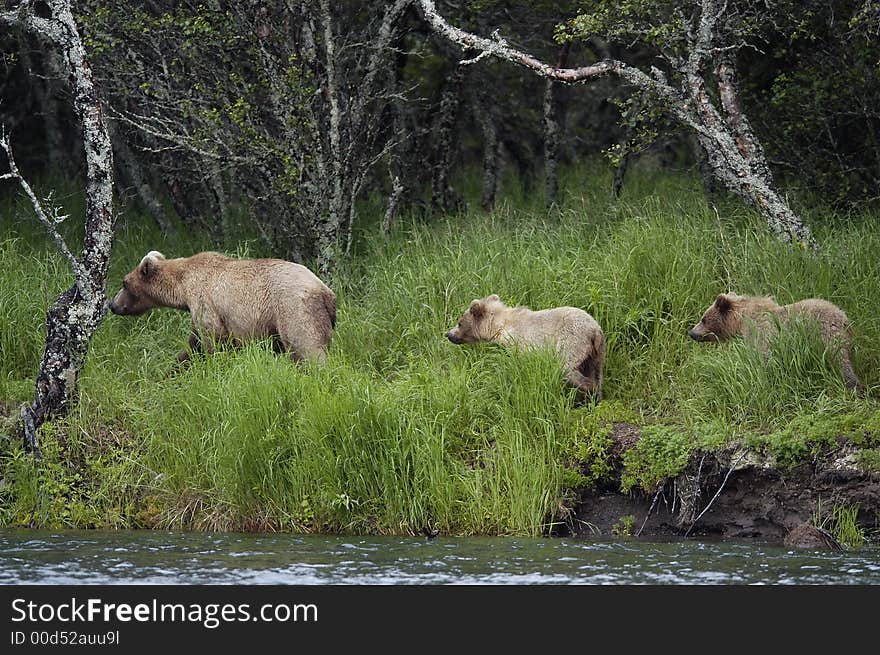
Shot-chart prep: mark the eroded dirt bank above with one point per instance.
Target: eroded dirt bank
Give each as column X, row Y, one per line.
column 756, row 499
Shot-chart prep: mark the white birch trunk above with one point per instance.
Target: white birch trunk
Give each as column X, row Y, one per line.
column 77, row 313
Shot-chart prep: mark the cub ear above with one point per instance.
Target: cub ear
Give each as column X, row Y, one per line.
column 723, row 303
column 149, row 264
column 493, row 298
column 477, row 309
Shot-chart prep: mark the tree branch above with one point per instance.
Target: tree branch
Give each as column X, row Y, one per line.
column 42, row 215
column 498, row 47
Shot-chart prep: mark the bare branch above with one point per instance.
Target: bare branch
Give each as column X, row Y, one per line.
column 739, row 171
column 498, row 47
column 717, row 493
column 43, row 215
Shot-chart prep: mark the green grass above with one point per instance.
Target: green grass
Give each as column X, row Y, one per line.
column 842, row 522
column 403, row 431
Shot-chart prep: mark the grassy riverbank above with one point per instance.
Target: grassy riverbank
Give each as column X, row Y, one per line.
column 403, row 431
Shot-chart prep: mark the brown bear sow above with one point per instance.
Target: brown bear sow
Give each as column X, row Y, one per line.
column 574, row 334
column 731, row 315
column 235, row 300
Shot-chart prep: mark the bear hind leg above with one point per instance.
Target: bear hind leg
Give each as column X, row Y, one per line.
column 306, row 331
column 300, row 345
column 587, row 378
column 849, row 375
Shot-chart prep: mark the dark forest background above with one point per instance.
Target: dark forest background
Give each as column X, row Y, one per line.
column 218, row 105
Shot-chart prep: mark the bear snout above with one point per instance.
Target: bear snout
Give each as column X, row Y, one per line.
column 453, row 337
column 113, row 307
column 696, row 335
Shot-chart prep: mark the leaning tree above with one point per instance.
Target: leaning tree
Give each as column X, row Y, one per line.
column 77, row 313
column 696, row 45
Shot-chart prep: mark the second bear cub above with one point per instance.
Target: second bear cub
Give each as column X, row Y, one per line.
column 733, row 315
column 574, row 334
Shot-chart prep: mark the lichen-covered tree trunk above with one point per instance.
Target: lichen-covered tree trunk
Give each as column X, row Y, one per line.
column 737, row 160
column 76, row 314
column 746, row 141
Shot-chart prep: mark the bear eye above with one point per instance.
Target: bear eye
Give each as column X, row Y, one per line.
column 125, row 285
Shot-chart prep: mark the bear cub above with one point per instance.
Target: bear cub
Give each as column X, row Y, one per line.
column 733, row 315
column 575, row 335
column 235, row 300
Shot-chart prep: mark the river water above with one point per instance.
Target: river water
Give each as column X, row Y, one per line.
column 125, row 557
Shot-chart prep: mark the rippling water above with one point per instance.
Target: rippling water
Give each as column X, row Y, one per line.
column 197, row 558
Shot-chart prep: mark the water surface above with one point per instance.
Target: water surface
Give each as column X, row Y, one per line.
column 152, row 557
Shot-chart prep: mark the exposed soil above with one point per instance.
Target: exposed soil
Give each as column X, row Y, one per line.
column 757, row 500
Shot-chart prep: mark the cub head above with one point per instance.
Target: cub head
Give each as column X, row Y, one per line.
column 136, row 295
column 719, row 322
column 475, row 324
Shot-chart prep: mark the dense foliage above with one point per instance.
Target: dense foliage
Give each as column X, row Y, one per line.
column 216, row 104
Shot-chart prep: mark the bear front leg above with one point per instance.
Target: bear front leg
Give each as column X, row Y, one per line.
column 195, row 347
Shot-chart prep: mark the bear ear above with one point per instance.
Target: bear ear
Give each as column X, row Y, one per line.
column 723, row 303
column 148, row 265
column 493, row 298
column 477, row 309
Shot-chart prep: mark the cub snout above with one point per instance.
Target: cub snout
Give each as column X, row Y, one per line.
column 698, row 335
column 116, row 307
column 454, row 338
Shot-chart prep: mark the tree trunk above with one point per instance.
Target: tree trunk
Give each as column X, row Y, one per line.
column 131, row 168
column 443, row 196
column 551, row 133
column 328, row 229
column 620, row 172
column 77, row 313
column 178, row 197
column 218, row 191
column 631, row 120
column 746, row 141
column 707, row 176
column 737, row 160
column 394, row 201
column 45, row 94
column 485, row 116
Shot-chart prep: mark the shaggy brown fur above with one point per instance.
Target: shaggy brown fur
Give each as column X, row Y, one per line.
column 235, row 300
column 732, row 315
column 574, row 334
